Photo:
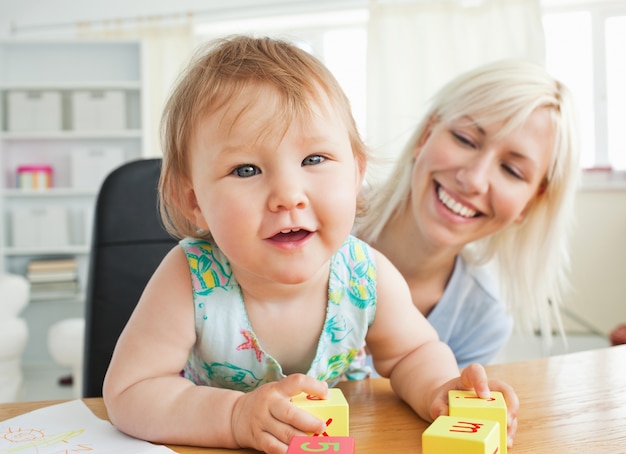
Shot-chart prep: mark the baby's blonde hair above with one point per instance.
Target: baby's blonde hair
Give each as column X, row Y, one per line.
column 221, row 71
column 531, row 257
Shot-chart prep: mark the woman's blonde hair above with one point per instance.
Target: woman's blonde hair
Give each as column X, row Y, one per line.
column 531, row 257
column 221, row 71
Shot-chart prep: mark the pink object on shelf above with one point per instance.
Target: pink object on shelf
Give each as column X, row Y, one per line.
column 618, row 335
column 34, row 177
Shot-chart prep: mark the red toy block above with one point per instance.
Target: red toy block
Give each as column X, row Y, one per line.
column 339, row 445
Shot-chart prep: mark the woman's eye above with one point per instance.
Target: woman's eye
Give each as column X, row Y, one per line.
column 312, row 160
column 462, row 139
column 246, row 170
column 512, row 171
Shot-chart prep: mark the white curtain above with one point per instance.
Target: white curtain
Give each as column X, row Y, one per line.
column 167, row 47
column 415, row 46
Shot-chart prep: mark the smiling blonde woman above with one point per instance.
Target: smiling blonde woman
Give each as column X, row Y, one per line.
column 486, row 182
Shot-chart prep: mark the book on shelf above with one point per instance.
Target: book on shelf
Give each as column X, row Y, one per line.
column 54, row 290
column 49, row 273
column 52, row 276
column 51, row 265
column 69, row 286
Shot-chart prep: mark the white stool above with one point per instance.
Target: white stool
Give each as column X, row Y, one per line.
column 65, row 343
column 14, row 295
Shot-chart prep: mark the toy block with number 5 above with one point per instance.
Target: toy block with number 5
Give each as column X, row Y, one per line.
column 467, row 404
column 333, row 411
column 451, row 434
column 338, row 445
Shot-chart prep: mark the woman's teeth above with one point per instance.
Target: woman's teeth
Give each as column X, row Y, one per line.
column 453, row 205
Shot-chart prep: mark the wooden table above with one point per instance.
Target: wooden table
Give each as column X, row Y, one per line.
column 569, row 403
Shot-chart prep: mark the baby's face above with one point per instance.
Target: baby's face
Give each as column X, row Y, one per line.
column 278, row 201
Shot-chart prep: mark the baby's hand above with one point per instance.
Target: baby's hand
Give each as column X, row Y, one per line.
column 474, row 377
column 266, row 420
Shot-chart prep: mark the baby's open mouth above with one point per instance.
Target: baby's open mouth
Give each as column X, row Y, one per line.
column 291, row 235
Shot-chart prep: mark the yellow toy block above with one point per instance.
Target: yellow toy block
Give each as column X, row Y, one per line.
column 333, row 411
column 450, row 434
column 468, row 405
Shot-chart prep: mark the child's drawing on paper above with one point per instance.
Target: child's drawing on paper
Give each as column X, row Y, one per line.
column 19, row 440
column 67, row 428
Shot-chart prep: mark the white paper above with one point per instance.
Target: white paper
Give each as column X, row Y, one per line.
column 69, row 427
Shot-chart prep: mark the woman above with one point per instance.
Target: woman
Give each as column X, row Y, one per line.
column 489, row 176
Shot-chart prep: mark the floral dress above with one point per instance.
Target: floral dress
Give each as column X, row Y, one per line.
column 227, row 353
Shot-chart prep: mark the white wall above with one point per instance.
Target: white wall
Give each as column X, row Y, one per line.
column 599, row 247
column 49, row 17
column 598, row 256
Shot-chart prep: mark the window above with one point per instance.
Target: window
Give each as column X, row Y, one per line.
column 616, row 89
column 586, row 49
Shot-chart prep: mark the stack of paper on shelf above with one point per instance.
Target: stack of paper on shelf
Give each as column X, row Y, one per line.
column 53, row 278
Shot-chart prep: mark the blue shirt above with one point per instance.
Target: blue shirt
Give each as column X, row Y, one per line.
column 470, row 317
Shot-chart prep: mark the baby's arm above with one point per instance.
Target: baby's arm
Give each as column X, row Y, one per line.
column 147, row 398
column 406, row 348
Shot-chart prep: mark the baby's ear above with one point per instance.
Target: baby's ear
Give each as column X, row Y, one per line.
column 187, row 203
column 360, row 168
column 195, row 213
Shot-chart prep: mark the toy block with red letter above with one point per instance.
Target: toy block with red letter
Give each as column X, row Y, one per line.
column 333, row 411
column 468, row 405
column 339, row 445
column 451, row 434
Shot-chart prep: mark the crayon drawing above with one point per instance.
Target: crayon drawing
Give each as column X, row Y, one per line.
column 67, row 428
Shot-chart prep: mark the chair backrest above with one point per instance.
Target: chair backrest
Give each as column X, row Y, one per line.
column 128, row 244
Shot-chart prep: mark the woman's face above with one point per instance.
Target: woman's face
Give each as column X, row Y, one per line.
column 468, row 183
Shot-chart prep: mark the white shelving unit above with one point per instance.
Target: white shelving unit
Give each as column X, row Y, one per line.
column 96, row 117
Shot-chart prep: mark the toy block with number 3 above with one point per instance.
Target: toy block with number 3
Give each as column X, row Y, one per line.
column 333, row 411
column 338, row 445
column 467, row 404
column 451, row 434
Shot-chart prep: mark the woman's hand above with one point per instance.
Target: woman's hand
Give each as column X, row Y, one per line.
column 474, row 377
column 266, row 420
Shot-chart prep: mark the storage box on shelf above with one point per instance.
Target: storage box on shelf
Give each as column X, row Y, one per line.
column 34, row 110
column 70, row 111
column 98, row 110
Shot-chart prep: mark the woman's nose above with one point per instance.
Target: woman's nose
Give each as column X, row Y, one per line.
column 473, row 176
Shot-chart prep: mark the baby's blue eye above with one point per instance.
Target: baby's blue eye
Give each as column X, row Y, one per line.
column 246, row 170
column 312, row 160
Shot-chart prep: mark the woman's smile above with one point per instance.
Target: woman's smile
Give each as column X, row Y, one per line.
column 453, row 205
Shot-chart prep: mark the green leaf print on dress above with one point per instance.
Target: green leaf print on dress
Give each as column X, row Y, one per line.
column 207, row 272
column 226, row 375
column 361, row 282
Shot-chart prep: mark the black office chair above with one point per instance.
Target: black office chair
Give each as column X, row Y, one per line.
column 128, row 243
